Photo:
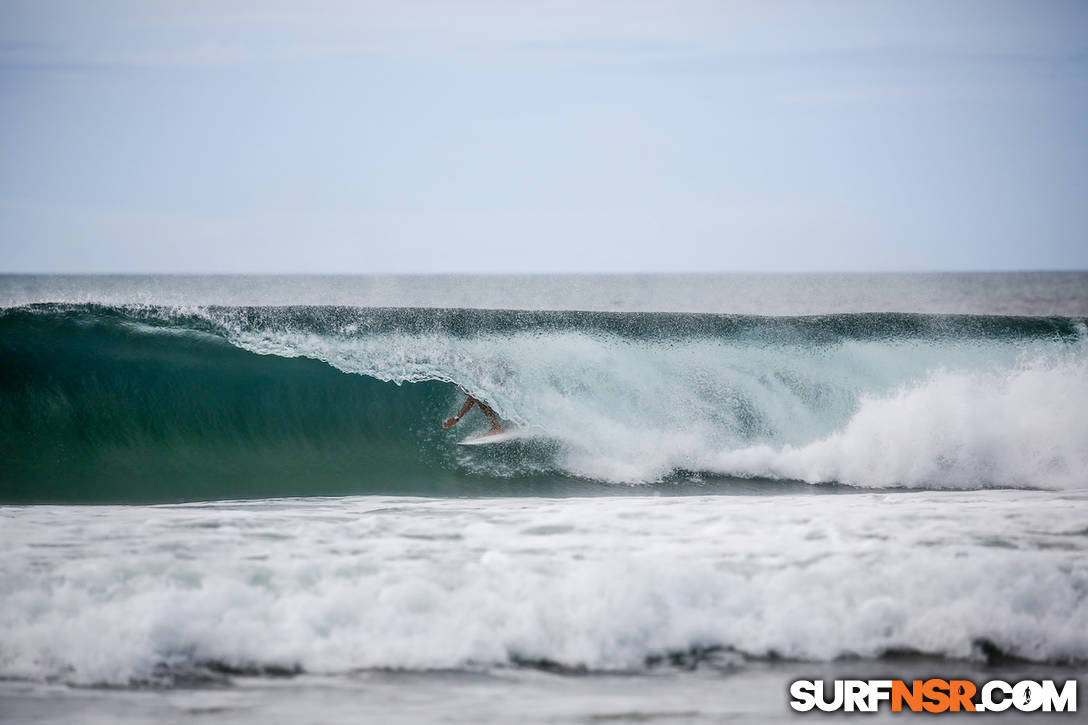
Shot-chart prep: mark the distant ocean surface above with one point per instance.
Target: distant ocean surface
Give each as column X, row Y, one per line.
column 236, row 491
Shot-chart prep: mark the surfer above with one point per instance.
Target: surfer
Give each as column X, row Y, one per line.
column 470, row 401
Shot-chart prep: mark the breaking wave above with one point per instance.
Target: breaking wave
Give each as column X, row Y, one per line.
column 146, row 403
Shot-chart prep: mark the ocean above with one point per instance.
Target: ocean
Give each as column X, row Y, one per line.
column 231, row 498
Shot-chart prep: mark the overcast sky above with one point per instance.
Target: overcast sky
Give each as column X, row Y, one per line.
column 579, row 136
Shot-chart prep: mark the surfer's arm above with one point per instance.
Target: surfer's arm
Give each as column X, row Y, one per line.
column 469, row 402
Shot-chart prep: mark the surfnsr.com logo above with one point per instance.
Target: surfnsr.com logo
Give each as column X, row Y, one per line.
column 933, row 695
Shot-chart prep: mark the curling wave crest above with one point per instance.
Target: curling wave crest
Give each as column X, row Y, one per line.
column 320, row 400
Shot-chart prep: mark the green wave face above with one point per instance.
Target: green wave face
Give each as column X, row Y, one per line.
column 104, row 404
column 95, row 408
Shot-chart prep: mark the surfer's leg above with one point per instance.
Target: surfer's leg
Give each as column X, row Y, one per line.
column 496, row 426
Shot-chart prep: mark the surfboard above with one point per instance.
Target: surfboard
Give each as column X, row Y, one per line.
column 485, row 440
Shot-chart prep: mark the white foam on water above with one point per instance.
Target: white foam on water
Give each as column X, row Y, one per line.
column 108, row 594
column 1026, row 427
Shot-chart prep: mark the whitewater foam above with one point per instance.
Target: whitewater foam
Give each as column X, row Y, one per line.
column 122, row 595
column 1021, row 427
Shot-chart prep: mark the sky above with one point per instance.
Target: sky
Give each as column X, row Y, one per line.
column 534, row 137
